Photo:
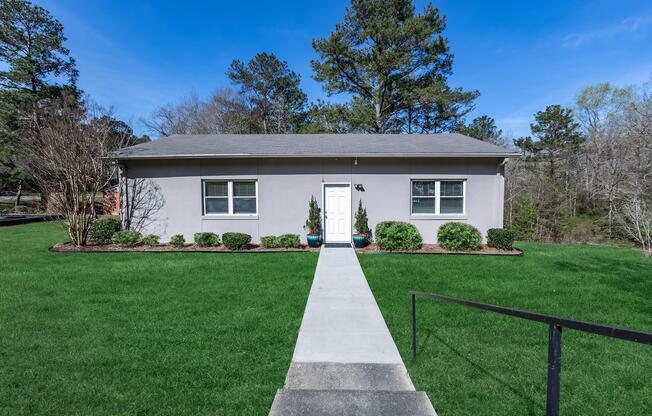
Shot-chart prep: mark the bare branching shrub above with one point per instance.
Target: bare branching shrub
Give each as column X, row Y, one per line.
column 65, row 147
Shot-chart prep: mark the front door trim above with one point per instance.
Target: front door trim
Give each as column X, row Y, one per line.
column 323, row 211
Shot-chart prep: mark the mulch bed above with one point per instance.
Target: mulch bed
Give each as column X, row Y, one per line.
column 164, row 248
column 437, row 249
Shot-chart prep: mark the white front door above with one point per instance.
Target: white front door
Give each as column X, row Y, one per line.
column 337, row 213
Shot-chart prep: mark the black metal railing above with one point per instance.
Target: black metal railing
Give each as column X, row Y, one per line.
column 554, row 336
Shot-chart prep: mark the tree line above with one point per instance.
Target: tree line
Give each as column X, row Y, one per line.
column 392, row 62
column 585, row 173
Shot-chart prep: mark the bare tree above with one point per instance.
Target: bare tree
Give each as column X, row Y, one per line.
column 224, row 112
column 635, row 218
column 65, row 147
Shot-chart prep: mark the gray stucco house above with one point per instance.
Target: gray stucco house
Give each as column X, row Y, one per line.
column 261, row 184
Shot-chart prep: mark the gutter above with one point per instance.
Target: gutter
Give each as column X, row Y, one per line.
column 312, row 155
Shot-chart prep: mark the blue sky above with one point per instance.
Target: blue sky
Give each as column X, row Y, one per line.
column 136, row 55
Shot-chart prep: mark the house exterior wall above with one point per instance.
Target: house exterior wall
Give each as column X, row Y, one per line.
column 286, row 184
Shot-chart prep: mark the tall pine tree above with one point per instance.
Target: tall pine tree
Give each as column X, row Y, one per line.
column 395, row 62
column 36, row 66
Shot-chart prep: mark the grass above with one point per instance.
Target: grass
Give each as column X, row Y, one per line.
column 479, row 363
column 144, row 333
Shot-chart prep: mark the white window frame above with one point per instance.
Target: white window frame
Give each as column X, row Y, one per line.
column 438, row 197
column 229, row 197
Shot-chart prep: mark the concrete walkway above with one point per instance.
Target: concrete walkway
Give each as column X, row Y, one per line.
column 345, row 360
column 342, row 322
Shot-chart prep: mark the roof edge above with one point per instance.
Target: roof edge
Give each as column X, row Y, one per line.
column 315, row 155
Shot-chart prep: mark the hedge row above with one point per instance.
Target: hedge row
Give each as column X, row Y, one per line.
column 397, row 236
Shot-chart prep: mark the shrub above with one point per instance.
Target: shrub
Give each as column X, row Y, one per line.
column 289, row 241
column 313, row 223
column 236, row 241
column 177, row 240
column 151, row 240
column 361, row 221
column 500, row 238
column 270, row 241
column 127, row 238
column 397, row 235
column 459, row 236
column 104, row 228
column 206, row 239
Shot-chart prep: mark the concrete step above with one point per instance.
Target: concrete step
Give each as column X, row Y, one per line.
column 351, row 402
column 339, row 376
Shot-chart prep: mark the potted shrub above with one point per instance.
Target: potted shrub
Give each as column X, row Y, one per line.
column 313, row 223
column 361, row 237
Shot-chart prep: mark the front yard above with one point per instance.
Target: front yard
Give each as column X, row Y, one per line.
column 473, row 362
column 144, row 333
column 193, row 333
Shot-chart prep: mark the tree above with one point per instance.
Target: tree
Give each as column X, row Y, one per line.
column 483, row 128
column 557, row 134
column 395, row 62
column 31, row 44
column 323, row 117
column 435, row 108
column 272, row 92
column 224, row 112
column 121, row 132
column 552, row 162
column 34, row 59
column 65, row 149
column 600, row 109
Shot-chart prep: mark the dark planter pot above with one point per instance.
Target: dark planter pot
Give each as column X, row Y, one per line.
column 360, row 241
column 313, row 241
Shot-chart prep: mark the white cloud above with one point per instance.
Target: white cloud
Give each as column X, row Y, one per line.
column 629, row 25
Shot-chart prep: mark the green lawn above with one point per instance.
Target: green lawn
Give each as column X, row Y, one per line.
column 144, row 333
column 479, row 363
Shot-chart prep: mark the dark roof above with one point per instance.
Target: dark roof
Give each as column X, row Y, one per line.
column 312, row 145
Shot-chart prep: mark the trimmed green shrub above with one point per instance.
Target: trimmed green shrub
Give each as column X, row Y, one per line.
column 151, row 240
column 104, row 228
column 177, row 240
column 289, row 241
column 500, row 238
column 206, row 239
column 459, row 236
column 270, row 241
column 127, row 238
column 397, row 235
column 236, row 241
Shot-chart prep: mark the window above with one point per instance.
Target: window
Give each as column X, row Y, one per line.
column 230, row 198
column 438, row 197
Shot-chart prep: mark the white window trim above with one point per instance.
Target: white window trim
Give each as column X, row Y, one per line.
column 438, row 197
column 229, row 198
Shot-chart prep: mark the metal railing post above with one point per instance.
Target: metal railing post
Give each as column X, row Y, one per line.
column 554, row 369
column 414, row 327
